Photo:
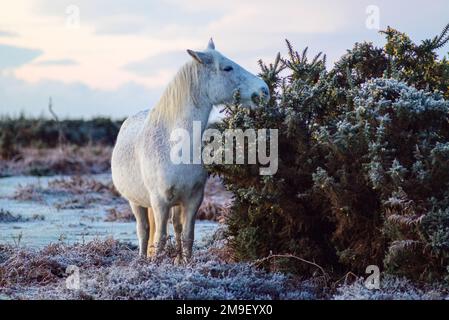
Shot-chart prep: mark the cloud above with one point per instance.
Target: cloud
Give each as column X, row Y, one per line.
column 12, row 57
column 8, row 34
column 57, row 62
column 291, row 16
column 130, row 17
column 74, row 100
column 171, row 61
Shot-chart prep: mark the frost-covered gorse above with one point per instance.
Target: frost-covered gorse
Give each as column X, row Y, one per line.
column 363, row 173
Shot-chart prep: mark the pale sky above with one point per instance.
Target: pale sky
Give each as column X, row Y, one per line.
column 113, row 58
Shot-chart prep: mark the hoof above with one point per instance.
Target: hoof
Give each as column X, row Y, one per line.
column 182, row 261
column 156, row 258
column 179, row 261
column 151, row 252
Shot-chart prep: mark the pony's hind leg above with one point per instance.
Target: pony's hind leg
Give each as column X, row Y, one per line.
column 142, row 227
column 151, row 249
column 177, row 226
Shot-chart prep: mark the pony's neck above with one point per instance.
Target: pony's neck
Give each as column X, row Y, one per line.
column 199, row 113
column 183, row 101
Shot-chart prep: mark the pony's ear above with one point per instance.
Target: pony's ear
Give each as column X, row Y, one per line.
column 201, row 57
column 211, row 45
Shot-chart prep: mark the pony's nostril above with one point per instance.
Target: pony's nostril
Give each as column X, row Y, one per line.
column 265, row 91
column 255, row 97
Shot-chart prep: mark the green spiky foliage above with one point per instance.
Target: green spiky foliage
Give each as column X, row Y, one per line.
column 418, row 65
column 363, row 172
column 386, row 170
column 276, row 214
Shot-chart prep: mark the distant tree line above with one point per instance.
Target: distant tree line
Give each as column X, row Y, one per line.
column 21, row 132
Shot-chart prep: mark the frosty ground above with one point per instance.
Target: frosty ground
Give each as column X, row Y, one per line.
column 49, row 224
column 37, row 211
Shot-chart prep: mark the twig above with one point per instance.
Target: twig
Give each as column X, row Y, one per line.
column 290, row 256
column 61, row 137
column 345, row 277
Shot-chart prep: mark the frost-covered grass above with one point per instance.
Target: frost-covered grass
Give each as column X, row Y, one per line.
column 112, row 270
column 71, row 192
column 392, row 288
column 70, row 159
column 7, row 217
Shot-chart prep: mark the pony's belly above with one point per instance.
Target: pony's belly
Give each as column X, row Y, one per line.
column 126, row 174
column 175, row 184
column 130, row 187
column 128, row 180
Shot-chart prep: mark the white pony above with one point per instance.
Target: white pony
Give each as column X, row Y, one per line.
column 141, row 167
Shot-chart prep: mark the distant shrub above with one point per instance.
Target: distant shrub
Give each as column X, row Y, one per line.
column 23, row 132
column 7, row 147
column 363, row 172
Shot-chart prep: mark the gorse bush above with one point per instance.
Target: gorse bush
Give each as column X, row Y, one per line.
column 363, row 172
column 387, row 168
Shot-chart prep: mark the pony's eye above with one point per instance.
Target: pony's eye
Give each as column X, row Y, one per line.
column 227, row 69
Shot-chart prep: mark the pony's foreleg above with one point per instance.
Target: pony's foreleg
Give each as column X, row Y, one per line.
column 142, row 227
column 188, row 225
column 151, row 249
column 177, row 226
column 161, row 214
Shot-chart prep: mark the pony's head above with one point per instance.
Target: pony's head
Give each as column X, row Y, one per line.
column 223, row 77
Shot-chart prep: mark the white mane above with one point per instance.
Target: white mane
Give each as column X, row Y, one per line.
column 181, row 91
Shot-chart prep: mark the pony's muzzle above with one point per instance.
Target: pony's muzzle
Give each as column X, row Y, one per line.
column 263, row 95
